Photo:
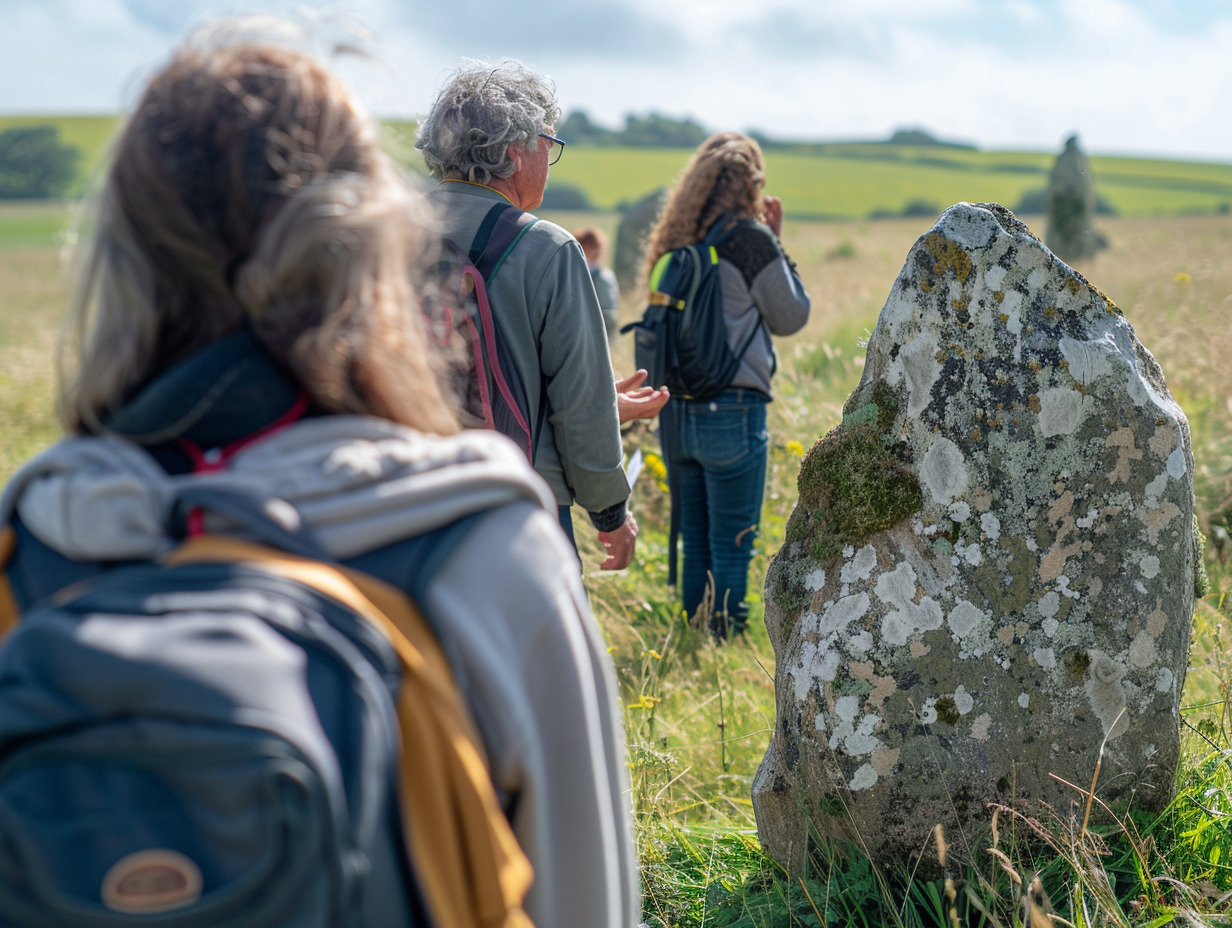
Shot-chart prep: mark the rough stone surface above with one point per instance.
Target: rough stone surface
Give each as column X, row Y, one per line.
column 1025, row 590
column 635, row 224
column 1071, row 206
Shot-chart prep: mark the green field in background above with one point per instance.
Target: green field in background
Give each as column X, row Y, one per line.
column 830, row 180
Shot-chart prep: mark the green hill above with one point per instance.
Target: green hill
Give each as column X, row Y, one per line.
column 817, row 180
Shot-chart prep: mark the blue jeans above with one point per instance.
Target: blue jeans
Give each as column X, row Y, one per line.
column 715, row 452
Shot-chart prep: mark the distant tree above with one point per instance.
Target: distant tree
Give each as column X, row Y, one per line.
column 658, row 131
column 34, row 163
column 1071, row 206
column 577, row 129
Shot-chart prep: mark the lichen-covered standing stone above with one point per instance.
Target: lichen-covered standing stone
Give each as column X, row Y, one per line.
column 991, row 566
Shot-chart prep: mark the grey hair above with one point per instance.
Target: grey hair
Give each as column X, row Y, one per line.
column 482, row 110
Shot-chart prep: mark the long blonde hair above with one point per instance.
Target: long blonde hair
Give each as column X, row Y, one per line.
column 248, row 190
column 725, row 175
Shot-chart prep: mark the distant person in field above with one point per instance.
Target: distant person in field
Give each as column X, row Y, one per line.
column 594, row 246
column 716, row 450
column 489, row 137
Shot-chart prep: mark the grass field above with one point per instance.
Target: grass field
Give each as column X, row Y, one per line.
column 698, row 717
column 831, row 180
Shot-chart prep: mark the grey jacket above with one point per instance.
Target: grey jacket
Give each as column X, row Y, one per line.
column 759, row 281
column 546, row 306
column 531, row 662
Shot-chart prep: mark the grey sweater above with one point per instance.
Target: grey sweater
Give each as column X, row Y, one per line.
column 546, row 307
column 759, row 281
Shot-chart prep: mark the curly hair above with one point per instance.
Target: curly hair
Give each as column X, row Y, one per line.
column 724, row 176
column 248, row 191
column 480, row 113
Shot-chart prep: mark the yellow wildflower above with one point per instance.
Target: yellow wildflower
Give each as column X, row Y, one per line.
column 1182, row 278
column 794, row 447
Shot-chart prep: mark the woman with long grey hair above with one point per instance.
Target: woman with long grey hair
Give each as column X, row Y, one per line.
column 246, row 318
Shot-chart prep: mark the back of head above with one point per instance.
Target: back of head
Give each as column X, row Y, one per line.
column 593, row 242
column 482, row 110
column 725, row 176
column 248, row 190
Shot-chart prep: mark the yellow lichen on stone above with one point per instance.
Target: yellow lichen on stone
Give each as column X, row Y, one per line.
column 947, row 256
column 1073, row 285
column 998, row 295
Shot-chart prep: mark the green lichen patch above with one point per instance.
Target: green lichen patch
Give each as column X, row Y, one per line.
column 1202, row 583
column 947, row 256
column 851, row 486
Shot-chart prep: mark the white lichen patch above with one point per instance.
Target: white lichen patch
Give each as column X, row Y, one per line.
column 898, row 589
column 1143, row 651
column 965, row 617
column 1088, row 361
column 836, row 616
column 860, row 643
column 1045, row 658
column 1106, row 695
column 1050, row 604
column 1164, row 680
column 815, row 581
column 990, row 525
column 860, row 565
column 864, row 778
column 818, row 663
column 1149, row 565
column 1061, row 411
column 960, row 511
column 971, row 554
column 963, row 701
column 1178, row 464
column 980, row 727
column 943, row 472
column 1024, row 700
column 918, row 369
column 928, row 711
column 1050, row 626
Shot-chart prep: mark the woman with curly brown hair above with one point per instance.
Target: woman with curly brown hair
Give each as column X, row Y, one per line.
column 716, row 449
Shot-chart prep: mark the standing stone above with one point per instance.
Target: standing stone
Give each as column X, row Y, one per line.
column 636, row 222
column 991, row 567
column 1071, row 206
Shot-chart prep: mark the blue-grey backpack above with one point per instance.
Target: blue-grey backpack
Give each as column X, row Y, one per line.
column 205, row 741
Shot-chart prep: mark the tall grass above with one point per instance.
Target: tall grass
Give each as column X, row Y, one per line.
column 699, row 717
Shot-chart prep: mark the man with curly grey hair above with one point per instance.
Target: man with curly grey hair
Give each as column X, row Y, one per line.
column 489, row 138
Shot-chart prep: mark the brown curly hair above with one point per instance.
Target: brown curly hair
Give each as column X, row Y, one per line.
column 725, row 175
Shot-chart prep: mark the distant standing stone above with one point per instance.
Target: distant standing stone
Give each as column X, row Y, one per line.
column 1071, row 206
column 636, row 222
column 991, row 566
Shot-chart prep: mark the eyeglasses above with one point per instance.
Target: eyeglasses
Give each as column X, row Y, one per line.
column 557, row 149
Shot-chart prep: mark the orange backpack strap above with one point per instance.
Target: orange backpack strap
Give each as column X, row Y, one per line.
column 9, row 613
column 470, row 868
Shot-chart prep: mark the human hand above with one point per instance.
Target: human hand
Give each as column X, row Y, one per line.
column 633, row 401
column 772, row 213
column 619, row 545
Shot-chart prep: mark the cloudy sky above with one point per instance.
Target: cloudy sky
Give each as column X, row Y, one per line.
column 1130, row 76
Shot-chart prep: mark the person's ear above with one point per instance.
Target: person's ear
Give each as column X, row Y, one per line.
column 515, row 156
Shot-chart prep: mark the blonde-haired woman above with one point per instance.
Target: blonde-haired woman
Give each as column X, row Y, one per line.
column 246, row 320
column 716, row 449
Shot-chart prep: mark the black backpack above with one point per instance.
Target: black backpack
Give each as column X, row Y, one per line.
column 487, row 390
column 681, row 339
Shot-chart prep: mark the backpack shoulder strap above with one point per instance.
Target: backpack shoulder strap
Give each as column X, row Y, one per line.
column 502, row 228
column 466, row 858
column 9, row 613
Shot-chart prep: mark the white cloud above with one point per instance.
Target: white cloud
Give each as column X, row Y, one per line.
column 1127, row 75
